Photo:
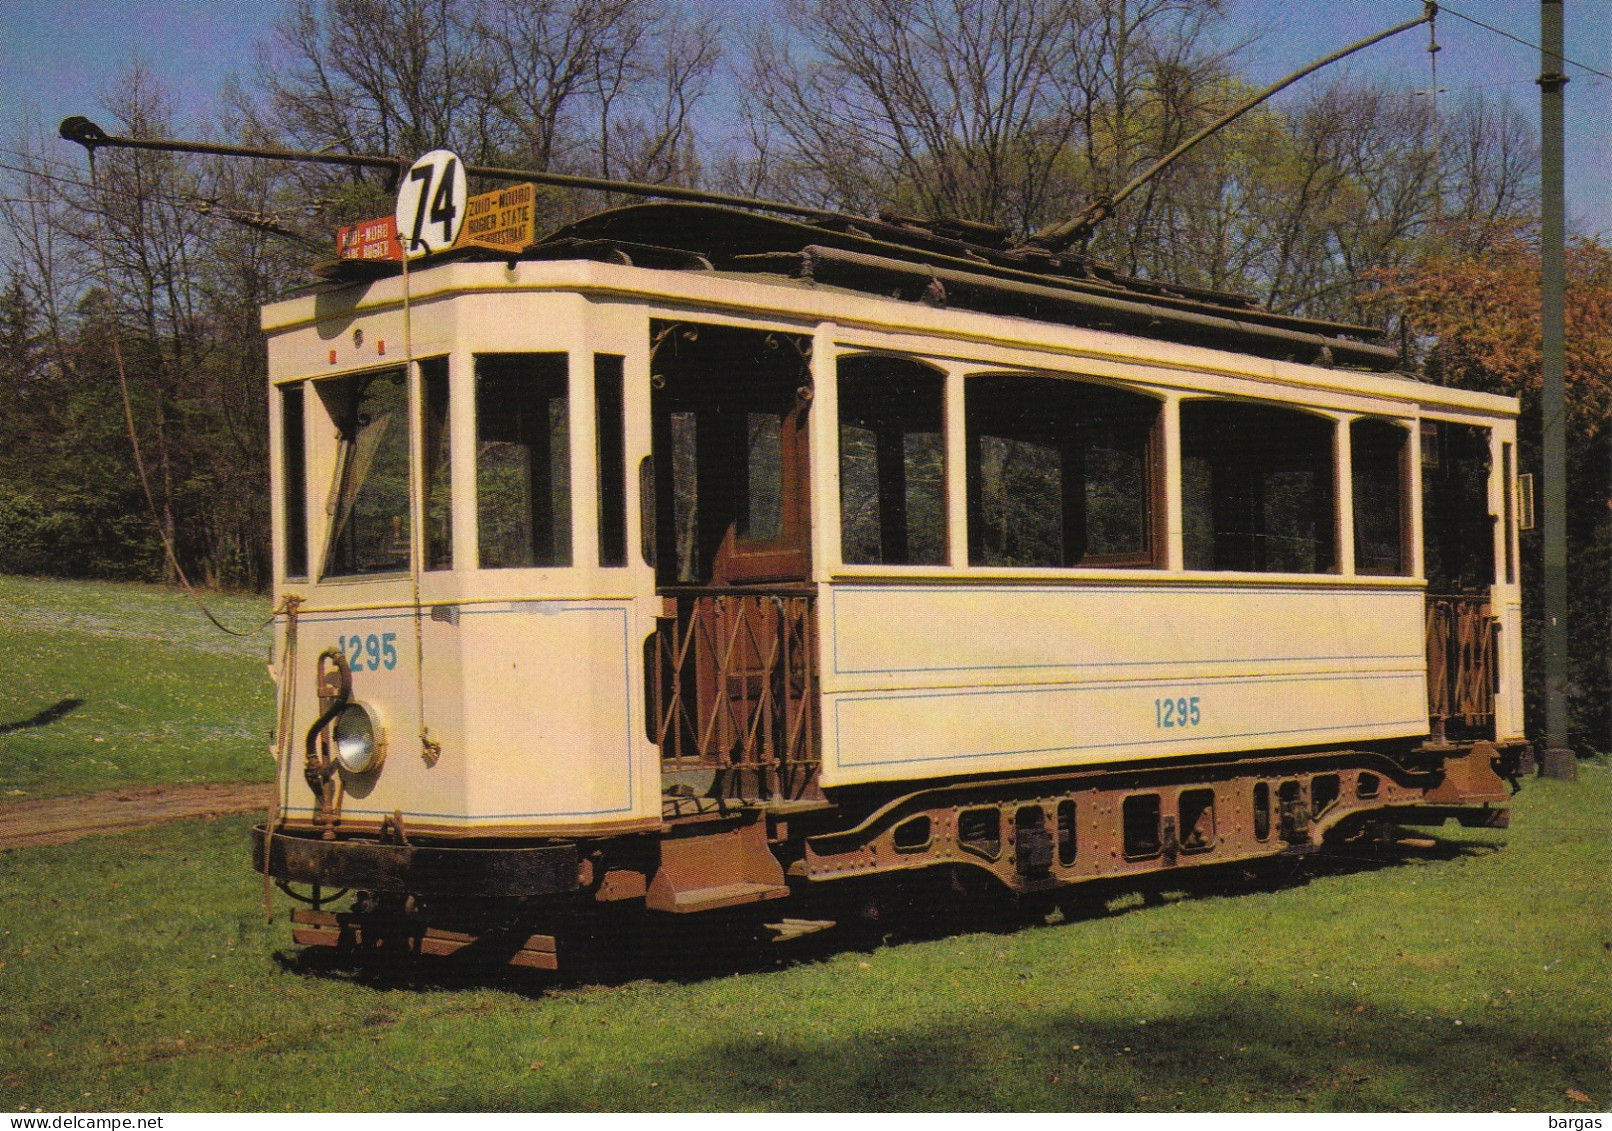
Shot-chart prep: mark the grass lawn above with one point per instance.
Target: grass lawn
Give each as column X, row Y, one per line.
column 107, row 686
column 136, row 973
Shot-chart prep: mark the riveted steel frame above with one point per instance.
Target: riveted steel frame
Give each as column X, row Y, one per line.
column 1201, row 815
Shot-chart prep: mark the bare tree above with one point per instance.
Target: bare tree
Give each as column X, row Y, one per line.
column 947, row 107
column 648, row 98
column 602, row 87
column 375, row 76
column 999, row 111
column 35, row 207
column 1489, row 155
column 1015, row 112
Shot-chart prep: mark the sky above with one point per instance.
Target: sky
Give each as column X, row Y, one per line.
column 56, row 56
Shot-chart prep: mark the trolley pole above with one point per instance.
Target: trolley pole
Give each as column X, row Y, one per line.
column 1559, row 760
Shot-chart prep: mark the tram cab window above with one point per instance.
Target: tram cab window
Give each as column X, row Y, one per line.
column 1060, row 473
column 369, row 529
column 523, row 460
column 1457, row 528
column 293, row 482
column 1257, row 489
column 1378, row 452
column 438, row 470
column 892, row 462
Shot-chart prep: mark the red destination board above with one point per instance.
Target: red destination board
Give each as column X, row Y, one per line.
column 373, row 239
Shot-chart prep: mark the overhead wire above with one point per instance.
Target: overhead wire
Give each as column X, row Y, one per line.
column 260, row 221
column 1444, row 7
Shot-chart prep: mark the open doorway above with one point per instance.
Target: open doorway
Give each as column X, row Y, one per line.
column 732, row 674
column 1458, row 548
column 730, row 411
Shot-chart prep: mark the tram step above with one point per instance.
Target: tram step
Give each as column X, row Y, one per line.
column 795, row 928
column 724, row 895
column 720, row 866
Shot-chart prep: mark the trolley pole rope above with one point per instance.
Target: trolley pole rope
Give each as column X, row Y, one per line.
column 430, row 749
column 134, row 441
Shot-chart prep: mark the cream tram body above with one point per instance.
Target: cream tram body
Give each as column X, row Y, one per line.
column 514, row 698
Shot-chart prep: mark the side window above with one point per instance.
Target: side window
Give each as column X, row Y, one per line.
column 892, row 462
column 1060, row 473
column 438, row 485
column 1256, row 488
column 369, row 529
column 1457, row 528
column 523, row 460
column 293, row 482
column 611, row 444
column 1381, row 486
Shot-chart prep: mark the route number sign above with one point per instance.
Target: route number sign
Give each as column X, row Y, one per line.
column 431, row 204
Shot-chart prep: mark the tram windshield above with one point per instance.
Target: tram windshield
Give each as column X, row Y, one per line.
column 369, row 530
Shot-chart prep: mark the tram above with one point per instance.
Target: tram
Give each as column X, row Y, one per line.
column 691, row 558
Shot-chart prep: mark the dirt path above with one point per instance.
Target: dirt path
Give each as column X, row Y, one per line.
column 57, row 820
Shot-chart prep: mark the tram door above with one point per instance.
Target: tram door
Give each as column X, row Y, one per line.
column 1458, row 540
column 732, row 534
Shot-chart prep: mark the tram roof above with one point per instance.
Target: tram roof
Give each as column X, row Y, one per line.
column 942, row 263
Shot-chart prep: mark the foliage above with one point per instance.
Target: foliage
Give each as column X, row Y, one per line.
column 1473, row 304
column 132, row 282
column 1466, row 979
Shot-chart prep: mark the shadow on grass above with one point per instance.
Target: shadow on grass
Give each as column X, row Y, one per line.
column 1220, row 1050
column 56, row 711
column 612, row 945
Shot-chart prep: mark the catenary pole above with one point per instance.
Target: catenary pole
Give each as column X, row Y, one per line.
column 1559, row 760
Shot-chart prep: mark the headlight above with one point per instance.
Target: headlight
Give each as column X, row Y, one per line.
column 360, row 741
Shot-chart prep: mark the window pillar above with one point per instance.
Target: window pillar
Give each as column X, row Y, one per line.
column 1170, row 499
column 1343, row 478
column 956, row 470
column 1418, row 562
column 462, row 471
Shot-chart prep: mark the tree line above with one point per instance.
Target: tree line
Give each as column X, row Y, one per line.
column 1349, row 199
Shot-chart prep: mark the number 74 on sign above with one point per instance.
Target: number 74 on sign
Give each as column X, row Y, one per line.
column 431, row 214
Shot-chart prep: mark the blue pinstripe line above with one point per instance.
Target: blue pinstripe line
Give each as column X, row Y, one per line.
column 1113, row 745
column 841, row 700
column 1187, row 682
column 1078, row 584
column 620, row 608
column 481, row 816
column 1128, row 663
column 1089, row 588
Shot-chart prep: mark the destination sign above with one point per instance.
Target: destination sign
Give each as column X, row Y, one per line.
column 504, row 219
column 373, row 239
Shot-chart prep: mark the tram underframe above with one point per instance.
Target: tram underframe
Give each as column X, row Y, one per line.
column 1032, row 834
column 1044, row 832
